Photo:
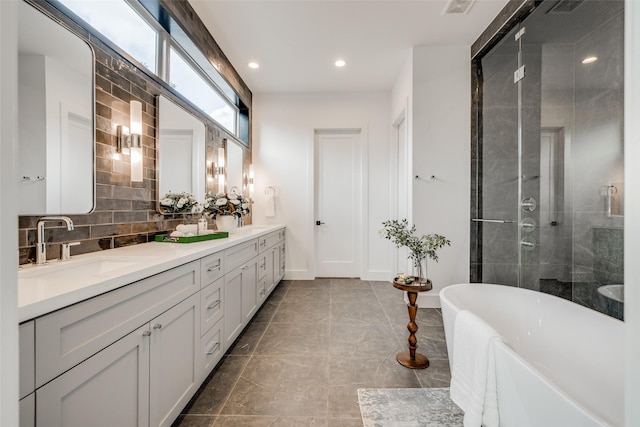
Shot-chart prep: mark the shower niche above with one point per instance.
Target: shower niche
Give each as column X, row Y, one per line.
column 547, row 148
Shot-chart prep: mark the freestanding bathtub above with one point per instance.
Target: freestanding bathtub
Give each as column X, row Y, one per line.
column 561, row 364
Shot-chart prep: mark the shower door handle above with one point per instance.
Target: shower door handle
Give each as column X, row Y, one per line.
column 495, row 221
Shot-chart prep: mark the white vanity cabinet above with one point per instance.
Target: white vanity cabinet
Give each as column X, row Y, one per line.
column 135, row 355
column 144, row 378
column 109, row 389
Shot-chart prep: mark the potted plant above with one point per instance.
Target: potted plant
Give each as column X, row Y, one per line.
column 226, row 209
column 179, row 203
column 420, row 247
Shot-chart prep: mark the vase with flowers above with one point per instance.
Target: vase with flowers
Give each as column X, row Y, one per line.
column 420, row 247
column 226, row 209
column 183, row 203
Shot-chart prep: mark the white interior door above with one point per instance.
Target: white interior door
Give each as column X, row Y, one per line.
column 338, row 200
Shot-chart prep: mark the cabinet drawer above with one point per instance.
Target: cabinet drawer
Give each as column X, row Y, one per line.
column 27, row 358
column 67, row 337
column 211, row 309
column 212, row 268
column 240, row 254
column 262, row 289
column 269, row 240
column 211, row 349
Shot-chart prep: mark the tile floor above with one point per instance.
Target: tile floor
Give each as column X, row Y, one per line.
column 307, row 351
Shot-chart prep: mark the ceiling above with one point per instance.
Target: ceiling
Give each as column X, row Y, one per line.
column 296, row 42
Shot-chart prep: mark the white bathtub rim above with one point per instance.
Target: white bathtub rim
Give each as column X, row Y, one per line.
column 552, row 385
column 450, row 309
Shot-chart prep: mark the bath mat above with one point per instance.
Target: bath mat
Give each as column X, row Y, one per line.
column 408, row 407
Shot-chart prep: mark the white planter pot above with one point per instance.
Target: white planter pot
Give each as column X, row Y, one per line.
column 227, row 223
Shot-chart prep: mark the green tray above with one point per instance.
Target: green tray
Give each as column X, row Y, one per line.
column 168, row 238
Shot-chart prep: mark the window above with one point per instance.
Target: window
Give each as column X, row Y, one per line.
column 121, row 24
column 195, row 87
column 136, row 29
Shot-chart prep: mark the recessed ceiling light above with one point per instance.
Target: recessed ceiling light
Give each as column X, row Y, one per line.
column 589, row 59
column 253, row 65
column 340, row 63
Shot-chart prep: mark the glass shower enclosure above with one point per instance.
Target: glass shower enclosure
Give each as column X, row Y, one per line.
column 548, row 159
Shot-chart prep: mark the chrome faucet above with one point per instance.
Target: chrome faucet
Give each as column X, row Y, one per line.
column 41, row 246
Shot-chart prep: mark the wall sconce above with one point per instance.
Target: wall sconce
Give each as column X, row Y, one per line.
column 135, row 112
column 129, row 141
column 251, row 182
column 220, row 169
column 211, row 171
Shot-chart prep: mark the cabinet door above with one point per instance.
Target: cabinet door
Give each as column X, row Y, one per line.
column 249, row 290
column 174, row 360
column 27, row 358
column 232, row 306
column 240, row 299
column 109, row 389
column 280, row 276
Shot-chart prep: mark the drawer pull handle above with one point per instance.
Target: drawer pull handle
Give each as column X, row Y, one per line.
column 263, row 243
column 212, row 269
column 214, row 305
column 214, row 349
column 146, row 333
column 157, row 326
column 245, row 267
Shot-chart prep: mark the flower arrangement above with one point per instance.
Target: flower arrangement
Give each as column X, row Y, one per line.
column 225, row 204
column 183, row 203
column 420, row 247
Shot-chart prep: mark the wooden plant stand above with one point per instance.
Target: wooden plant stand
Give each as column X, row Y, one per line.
column 410, row 358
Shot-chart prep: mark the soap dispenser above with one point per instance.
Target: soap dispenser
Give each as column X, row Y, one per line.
column 202, row 225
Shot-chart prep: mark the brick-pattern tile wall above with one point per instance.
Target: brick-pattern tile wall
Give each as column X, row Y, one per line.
column 125, row 212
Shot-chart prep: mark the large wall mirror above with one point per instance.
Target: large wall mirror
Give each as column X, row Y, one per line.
column 55, row 117
column 180, row 151
column 235, row 162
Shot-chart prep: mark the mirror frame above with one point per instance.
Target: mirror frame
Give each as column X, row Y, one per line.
column 48, row 15
column 199, row 162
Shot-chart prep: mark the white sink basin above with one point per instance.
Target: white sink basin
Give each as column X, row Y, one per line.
column 615, row 292
column 73, row 269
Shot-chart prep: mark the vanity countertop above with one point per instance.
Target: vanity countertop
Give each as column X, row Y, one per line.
column 43, row 289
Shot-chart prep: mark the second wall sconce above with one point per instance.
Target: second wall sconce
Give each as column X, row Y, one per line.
column 129, row 140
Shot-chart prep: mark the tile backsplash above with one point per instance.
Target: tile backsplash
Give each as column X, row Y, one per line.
column 125, row 212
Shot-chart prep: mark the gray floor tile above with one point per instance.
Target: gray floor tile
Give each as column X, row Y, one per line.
column 194, row 421
column 297, row 295
column 307, row 351
column 282, row 386
column 249, row 339
column 269, row 421
column 212, row 395
column 305, row 311
column 300, row 339
column 437, row 375
column 370, row 313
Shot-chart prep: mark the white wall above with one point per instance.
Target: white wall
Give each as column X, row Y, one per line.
column 8, row 215
column 632, row 212
column 435, row 83
column 283, row 147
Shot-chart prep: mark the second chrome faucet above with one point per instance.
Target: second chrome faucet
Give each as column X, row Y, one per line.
column 41, row 246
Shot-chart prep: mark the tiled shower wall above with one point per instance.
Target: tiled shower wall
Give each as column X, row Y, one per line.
column 125, row 212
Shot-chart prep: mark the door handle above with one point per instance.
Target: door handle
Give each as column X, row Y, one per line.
column 319, row 222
